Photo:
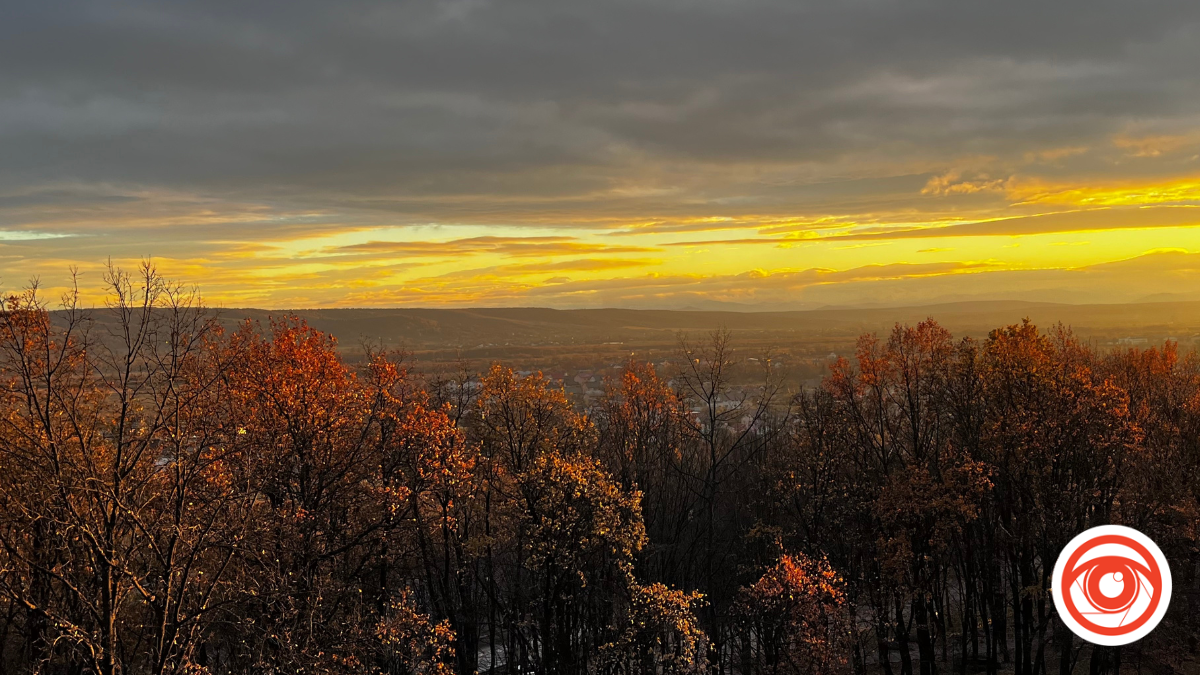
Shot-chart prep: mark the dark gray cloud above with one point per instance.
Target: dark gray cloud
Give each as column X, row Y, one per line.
column 476, row 110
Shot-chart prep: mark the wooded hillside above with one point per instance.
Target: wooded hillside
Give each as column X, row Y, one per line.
column 179, row 496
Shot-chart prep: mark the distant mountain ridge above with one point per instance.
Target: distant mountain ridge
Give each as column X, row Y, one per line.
column 428, row 327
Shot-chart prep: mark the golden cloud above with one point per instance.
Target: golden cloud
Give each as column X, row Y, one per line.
column 1154, row 146
column 516, row 247
column 953, row 183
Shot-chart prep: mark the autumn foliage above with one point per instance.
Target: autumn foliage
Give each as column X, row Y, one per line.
column 180, row 496
column 796, row 613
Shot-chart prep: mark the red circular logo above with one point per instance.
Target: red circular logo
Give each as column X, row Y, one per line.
column 1111, row 585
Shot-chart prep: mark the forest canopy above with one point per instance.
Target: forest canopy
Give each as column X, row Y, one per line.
column 178, row 497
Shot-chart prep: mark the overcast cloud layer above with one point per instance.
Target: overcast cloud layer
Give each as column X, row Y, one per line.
column 303, row 153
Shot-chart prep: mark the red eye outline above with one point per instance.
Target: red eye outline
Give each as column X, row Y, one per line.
column 1095, row 569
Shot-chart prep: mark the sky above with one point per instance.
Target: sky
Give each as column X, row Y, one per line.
column 742, row 154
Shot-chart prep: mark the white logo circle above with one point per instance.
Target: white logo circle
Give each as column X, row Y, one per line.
column 1111, row 585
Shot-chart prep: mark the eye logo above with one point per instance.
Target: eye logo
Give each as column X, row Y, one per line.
column 1111, row 585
